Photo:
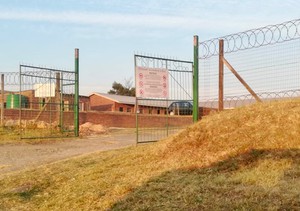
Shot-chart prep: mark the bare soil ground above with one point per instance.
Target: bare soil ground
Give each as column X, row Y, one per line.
column 16, row 157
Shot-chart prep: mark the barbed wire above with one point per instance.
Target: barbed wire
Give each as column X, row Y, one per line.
column 11, row 78
column 242, row 100
column 254, row 38
column 30, row 76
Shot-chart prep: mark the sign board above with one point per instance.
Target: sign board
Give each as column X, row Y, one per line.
column 152, row 82
column 44, row 90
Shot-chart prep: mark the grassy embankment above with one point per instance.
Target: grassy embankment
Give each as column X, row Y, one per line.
column 243, row 159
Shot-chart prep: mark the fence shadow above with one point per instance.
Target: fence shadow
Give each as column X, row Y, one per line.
column 255, row 180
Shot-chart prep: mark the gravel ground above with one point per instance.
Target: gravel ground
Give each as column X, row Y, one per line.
column 16, row 157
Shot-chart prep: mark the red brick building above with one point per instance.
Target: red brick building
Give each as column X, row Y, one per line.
column 108, row 102
column 118, row 103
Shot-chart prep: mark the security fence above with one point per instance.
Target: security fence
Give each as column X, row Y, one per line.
column 164, row 97
column 256, row 65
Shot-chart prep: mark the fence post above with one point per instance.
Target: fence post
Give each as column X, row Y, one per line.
column 221, row 75
column 76, row 103
column 20, row 90
column 2, row 99
column 57, row 101
column 136, row 105
column 195, row 81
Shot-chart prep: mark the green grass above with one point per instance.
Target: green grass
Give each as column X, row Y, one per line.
column 244, row 159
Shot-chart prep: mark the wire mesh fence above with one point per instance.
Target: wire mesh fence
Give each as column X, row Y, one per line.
column 259, row 65
column 159, row 117
column 38, row 102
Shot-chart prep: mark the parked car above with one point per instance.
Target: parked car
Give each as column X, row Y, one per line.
column 181, row 108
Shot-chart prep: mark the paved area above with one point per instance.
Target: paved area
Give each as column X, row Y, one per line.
column 15, row 157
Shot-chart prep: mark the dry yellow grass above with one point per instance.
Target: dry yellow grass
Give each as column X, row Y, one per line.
column 11, row 135
column 242, row 159
column 274, row 125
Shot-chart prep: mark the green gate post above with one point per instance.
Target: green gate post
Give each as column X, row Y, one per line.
column 136, row 106
column 195, row 81
column 76, row 103
column 2, row 99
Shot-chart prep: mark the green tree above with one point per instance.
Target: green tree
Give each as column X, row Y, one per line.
column 119, row 89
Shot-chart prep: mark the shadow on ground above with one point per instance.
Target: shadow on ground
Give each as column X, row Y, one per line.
column 256, row 180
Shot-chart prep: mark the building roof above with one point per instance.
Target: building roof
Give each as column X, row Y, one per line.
column 117, row 98
column 132, row 100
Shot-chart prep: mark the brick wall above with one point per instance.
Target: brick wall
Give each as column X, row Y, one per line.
column 45, row 116
column 128, row 120
column 163, row 121
column 107, row 119
column 110, row 119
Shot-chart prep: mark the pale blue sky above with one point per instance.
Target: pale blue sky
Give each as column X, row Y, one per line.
column 109, row 32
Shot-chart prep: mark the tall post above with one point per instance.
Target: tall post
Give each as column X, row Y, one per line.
column 76, row 100
column 136, row 105
column 20, row 110
column 2, row 99
column 61, row 103
column 221, row 75
column 195, row 81
column 167, row 119
column 57, row 101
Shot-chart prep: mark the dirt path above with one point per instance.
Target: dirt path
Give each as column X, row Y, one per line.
column 15, row 157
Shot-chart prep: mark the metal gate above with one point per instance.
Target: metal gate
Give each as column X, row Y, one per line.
column 162, row 108
column 47, row 102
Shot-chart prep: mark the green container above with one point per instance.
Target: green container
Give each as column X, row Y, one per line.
column 13, row 101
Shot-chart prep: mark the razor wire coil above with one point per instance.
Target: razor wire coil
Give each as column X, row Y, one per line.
column 254, row 38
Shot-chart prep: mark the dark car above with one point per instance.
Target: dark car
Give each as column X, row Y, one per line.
column 181, row 108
